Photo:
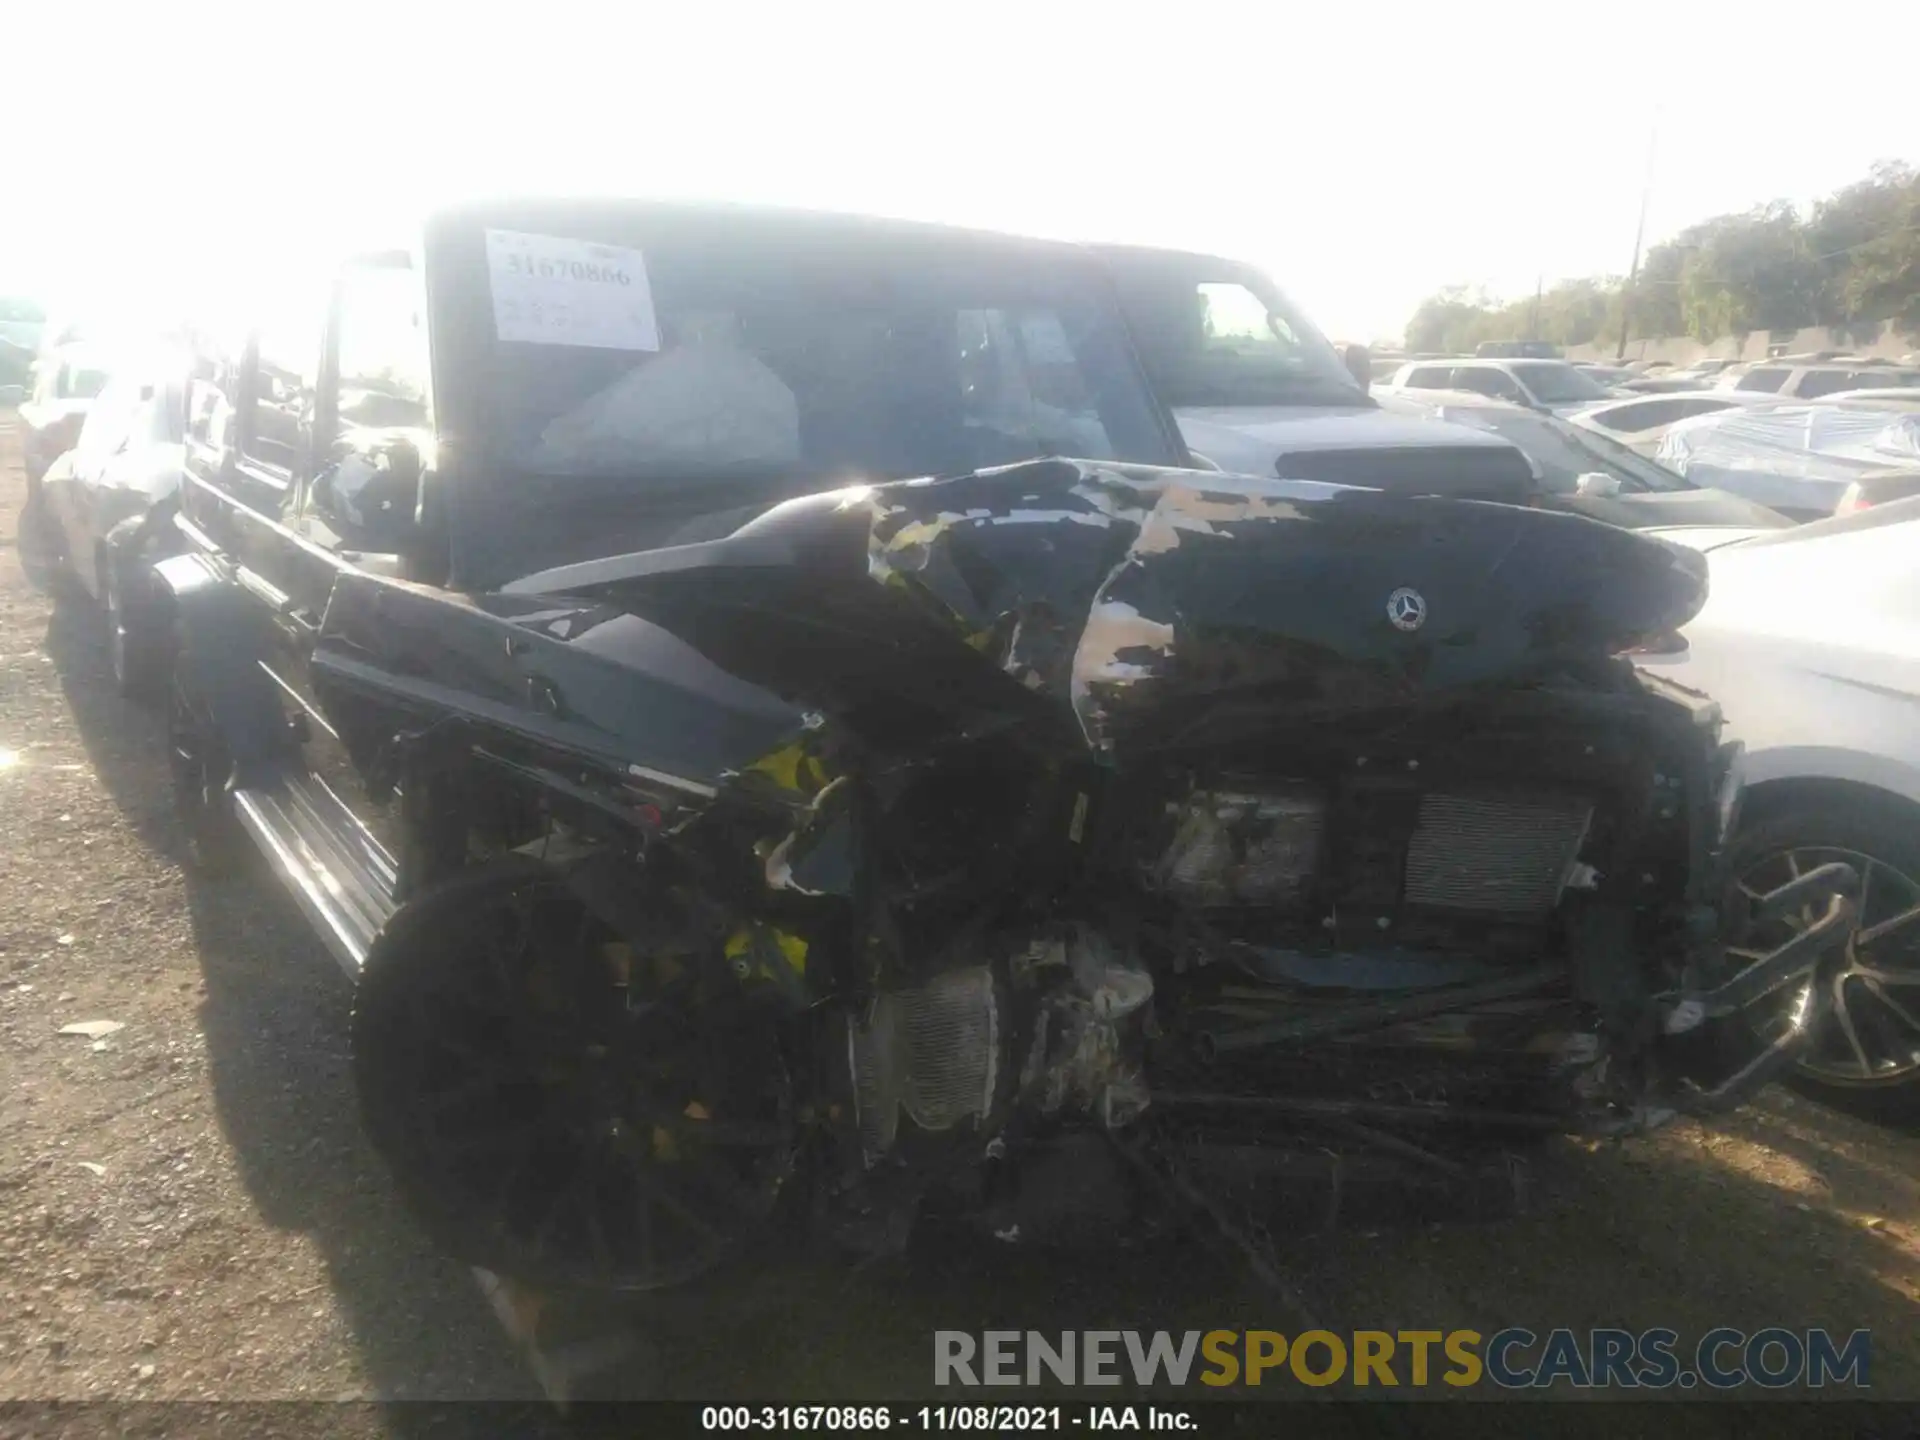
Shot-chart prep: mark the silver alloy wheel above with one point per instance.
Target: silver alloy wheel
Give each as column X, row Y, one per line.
column 1872, row 1036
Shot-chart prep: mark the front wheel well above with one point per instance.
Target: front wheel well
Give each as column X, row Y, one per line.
column 1771, row 798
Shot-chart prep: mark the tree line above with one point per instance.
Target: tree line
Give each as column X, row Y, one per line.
column 1853, row 263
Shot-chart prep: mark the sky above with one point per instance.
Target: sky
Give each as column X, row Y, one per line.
column 1365, row 155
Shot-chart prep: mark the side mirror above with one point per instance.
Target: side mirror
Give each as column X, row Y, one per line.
column 1595, row 485
column 373, row 491
column 1359, row 362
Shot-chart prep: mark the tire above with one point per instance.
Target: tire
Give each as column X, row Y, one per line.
column 1882, row 841
column 136, row 649
column 201, row 768
column 468, row 1084
column 43, row 553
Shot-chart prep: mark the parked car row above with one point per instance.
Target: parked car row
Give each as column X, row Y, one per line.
column 563, row 592
column 1810, row 380
column 1550, row 385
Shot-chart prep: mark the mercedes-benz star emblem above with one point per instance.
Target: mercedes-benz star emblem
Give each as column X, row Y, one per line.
column 1407, row 609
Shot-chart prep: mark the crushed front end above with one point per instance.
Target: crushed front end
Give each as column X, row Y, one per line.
column 1132, row 837
column 1507, row 917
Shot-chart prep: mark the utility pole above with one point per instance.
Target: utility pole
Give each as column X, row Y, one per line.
column 1539, row 284
column 1639, row 234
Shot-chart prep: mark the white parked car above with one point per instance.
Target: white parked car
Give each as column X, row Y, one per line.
column 97, row 496
column 1551, row 385
column 1798, row 459
column 1642, row 421
column 1810, row 641
column 1810, row 380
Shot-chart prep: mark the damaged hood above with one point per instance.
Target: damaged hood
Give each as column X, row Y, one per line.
column 1139, row 602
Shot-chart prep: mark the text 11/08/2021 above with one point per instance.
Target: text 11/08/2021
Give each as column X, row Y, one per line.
column 976, row 1419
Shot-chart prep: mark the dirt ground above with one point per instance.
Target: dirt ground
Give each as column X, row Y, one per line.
column 188, row 1211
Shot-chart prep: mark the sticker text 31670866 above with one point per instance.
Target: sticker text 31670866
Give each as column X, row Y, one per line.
column 552, row 290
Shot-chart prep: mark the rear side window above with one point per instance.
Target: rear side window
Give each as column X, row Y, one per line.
column 1429, row 377
column 1768, row 380
column 211, row 387
column 1815, row 383
column 286, row 373
column 1484, row 381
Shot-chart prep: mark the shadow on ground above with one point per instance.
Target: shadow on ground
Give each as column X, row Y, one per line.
column 274, row 1019
column 1689, row 1231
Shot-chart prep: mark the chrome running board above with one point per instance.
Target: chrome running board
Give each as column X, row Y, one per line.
column 342, row 877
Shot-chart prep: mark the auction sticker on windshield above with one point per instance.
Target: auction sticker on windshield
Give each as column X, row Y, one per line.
column 553, row 290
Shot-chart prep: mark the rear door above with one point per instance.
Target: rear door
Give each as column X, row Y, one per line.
column 252, row 407
column 351, row 509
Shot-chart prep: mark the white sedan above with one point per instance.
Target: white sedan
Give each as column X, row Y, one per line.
column 1810, row 641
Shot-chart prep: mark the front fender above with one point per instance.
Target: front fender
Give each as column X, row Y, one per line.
column 1809, row 711
column 222, row 641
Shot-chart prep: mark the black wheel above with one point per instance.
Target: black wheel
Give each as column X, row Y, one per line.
column 201, row 769
column 557, row 1108
column 1870, row 1042
column 136, row 654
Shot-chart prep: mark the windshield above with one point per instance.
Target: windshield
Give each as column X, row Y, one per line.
column 1215, row 333
column 1554, row 382
column 820, row 352
column 1565, row 452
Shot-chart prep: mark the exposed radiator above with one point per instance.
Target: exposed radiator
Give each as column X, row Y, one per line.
column 931, row 1052
column 1506, row 854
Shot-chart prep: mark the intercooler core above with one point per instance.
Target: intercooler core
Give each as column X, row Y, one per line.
column 930, row 1052
column 1505, row 854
